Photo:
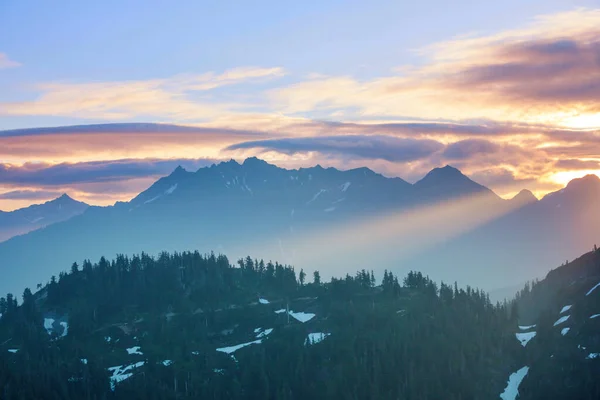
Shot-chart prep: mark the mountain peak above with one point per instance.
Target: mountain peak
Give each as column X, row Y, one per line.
column 442, row 175
column 251, row 161
column 525, row 196
column 448, row 181
column 585, row 180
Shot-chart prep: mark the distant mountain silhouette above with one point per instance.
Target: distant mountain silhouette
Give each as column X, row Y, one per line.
column 27, row 219
column 244, row 208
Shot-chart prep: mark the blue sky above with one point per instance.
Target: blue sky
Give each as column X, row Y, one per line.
column 301, row 63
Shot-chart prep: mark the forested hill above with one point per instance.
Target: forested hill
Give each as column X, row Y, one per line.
column 193, row 326
column 185, row 325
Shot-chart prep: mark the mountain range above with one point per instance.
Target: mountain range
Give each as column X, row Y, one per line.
column 37, row 216
column 445, row 225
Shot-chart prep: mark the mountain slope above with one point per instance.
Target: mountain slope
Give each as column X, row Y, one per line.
column 325, row 219
column 36, row 216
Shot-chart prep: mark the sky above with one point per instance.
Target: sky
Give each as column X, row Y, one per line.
column 505, row 91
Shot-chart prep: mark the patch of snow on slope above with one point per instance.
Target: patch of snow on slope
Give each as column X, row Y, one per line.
column 83, row 361
column 526, row 327
column 280, row 311
column 565, row 309
column 512, row 387
column 330, row 209
column 265, row 333
column 134, row 350
column 166, row 363
column 564, row 331
column 232, row 349
column 219, row 371
column 107, row 339
column 65, row 328
column 591, row 356
column 152, row 199
column 13, row 350
column 314, row 338
column 320, row 192
column 302, row 316
column 595, row 316
column 257, row 330
column 592, row 289
column 561, row 320
column 345, row 186
column 48, row 322
column 263, row 301
column 171, row 189
column 120, row 373
column 524, row 338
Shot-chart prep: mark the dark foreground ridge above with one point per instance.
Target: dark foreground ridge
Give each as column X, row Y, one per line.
column 184, row 325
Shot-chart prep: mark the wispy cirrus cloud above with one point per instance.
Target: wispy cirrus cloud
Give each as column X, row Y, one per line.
column 158, row 98
column 6, row 62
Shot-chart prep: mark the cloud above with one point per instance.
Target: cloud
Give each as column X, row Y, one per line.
column 546, row 72
column 576, row 164
column 44, row 175
column 162, row 98
column 116, row 141
column 468, row 148
column 6, row 62
column 366, row 147
column 30, row 195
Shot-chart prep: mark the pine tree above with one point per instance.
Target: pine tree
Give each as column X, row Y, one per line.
column 316, row 278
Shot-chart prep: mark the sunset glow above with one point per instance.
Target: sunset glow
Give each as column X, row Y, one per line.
column 513, row 107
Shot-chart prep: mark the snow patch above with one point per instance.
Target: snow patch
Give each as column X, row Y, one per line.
column 83, row 361
column 65, row 328
column 152, row 199
column 512, row 387
column 316, row 196
column 195, row 353
column 48, row 322
column 257, row 330
column 107, row 339
column 120, row 373
column 263, row 301
column 265, row 333
column 591, row 356
column 595, row 316
column 564, row 331
column 166, row 363
column 232, row 349
column 561, row 320
column 171, row 189
column 280, row 311
column 314, row 338
column 526, row 327
column 345, row 186
column 565, row 309
column 134, row 350
column 302, row 316
column 13, row 350
column 525, row 337
column 592, row 289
